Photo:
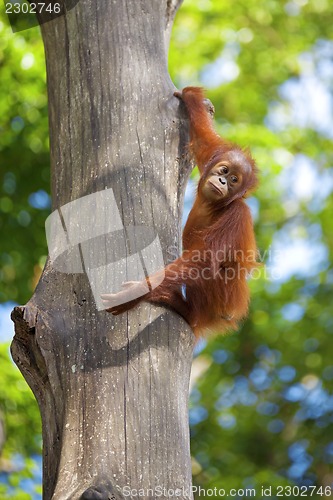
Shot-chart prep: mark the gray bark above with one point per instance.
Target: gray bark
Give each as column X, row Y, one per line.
column 113, row 392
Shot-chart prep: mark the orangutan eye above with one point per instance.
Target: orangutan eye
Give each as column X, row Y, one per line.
column 225, row 170
column 234, row 179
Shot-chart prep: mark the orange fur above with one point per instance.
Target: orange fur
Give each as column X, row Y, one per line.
column 207, row 285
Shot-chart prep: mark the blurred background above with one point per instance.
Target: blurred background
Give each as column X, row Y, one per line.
column 261, row 408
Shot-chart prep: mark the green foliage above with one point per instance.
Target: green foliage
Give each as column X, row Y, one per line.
column 267, row 393
column 25, row 158
column 22, row 425
column 17, row 405
column 262, row 412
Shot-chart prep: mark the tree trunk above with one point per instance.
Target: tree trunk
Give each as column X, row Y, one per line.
column 113, row 392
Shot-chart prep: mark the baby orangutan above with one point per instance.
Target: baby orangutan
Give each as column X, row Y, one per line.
column 207, row 284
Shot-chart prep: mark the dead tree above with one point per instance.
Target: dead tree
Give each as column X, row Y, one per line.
column 112, row 392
